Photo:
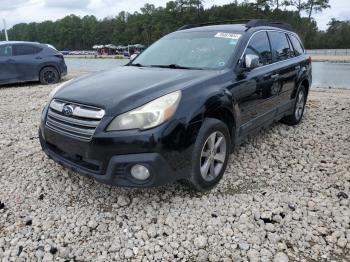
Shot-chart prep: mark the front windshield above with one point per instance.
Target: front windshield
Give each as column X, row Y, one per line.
column 190, row 50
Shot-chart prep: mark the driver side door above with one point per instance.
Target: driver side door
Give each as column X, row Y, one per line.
column 254, row 90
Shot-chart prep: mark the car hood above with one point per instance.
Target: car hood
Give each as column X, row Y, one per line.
column 128, row 87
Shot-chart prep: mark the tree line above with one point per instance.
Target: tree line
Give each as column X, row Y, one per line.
column 150, row 23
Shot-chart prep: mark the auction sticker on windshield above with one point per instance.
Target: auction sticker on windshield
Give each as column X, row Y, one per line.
column 228, row 35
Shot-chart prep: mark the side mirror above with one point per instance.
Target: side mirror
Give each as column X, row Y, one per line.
column 251, row 61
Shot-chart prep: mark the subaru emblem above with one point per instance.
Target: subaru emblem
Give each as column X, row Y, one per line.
column 68, row 110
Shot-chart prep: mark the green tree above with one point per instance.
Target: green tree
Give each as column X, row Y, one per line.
column 151, row 22
column 300, row 5
column 314, row 6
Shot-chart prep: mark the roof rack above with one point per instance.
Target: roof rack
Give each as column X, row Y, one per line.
column 264, row 22
column 237, row 21
column 249, row 23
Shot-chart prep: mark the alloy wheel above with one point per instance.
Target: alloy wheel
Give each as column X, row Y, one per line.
column 49, row 77
column 299, row 107
column 213, row 156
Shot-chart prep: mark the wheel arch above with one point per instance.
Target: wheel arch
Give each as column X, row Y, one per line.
column 224, row 114
column 42, row 67
column 303, row 82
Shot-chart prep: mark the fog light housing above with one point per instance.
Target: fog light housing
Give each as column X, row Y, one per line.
column 140, row 172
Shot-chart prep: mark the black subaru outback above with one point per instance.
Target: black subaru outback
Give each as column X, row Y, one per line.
column 176, row 111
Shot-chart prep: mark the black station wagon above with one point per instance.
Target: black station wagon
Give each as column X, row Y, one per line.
column 29, row 61
column 176, row 112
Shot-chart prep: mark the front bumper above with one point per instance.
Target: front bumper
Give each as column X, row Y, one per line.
column 118, row 170
column 108, row 158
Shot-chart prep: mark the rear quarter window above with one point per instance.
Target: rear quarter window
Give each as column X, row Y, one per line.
column 298, row 48
column 25, row 50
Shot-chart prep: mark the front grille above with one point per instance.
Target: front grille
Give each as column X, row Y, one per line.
column 73, row 120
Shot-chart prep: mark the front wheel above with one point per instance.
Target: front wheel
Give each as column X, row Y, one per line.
column 49, row 75
column 298, row 110
column 210, row 155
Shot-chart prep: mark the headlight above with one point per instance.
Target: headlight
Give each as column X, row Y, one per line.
column 54, row 91
column 149, row 115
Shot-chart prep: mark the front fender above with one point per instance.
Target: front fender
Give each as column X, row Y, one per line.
column 218, row 105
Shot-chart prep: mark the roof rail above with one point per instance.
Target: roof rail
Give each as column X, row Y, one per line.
column 249, row 23
column 264, row 22
column 237, row 21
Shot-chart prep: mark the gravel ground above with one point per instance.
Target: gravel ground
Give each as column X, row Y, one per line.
column 284, row 197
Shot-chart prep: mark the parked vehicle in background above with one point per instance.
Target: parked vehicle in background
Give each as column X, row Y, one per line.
column 81, row 52
column 29, row 61
column 176, row 111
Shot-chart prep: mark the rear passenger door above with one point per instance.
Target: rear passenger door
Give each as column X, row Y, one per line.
column 27, row 61
column 286, row 68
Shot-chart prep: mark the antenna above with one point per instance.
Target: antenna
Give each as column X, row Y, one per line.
column 6, row 36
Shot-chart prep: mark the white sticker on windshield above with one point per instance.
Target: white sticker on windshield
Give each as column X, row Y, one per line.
column 228, row 35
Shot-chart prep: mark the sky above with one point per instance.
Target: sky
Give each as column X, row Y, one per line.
column 19, row 11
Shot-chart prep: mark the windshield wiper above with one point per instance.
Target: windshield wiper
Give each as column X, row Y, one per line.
column 175, row 66
column 138, row 65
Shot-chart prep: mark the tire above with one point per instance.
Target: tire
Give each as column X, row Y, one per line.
column 298, row 109
column 208, row 160
column 49, row 75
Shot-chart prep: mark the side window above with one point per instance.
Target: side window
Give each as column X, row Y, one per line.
column 5, row 50
column 280, row 46
column 298, row 48
column 25, row 50
column 291, row 53
column 259, row 45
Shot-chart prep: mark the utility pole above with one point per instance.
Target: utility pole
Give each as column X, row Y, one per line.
column 7, row 38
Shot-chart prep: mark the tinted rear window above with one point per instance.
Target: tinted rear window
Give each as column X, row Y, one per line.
column 298, row 48
column 25, row 50
column 5, row 50
column 280, row 46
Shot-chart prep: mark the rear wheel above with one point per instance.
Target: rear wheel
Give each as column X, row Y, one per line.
column 299, row 108
column 210, row 155
column 49, row 75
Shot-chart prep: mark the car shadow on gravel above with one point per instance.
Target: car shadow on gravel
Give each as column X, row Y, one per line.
column 33, row 83
column 89, row 187
column 18, row 85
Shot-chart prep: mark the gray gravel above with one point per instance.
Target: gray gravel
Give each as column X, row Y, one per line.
column 284, row 197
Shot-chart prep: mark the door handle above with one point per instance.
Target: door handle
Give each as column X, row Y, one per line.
column 275, row 76
column 38, row 57
column 10, row 60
